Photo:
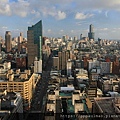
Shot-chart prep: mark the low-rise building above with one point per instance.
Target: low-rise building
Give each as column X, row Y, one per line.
column 109, row 83
column 108, row 107
column 11, row 106
column 21, row 82
column 91, row 92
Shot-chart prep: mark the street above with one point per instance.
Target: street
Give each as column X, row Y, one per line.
column 39, row 97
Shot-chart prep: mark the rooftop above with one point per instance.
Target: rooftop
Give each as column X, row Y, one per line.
column 50, row 102
column 76, row 93
column 51, row 93
column 67, row 88
column 70, row 107
column 9, row 100
column 21, row 77
column 9, row 96
column 65, row 94
column 86, row 108
column 108, row 104
column 78, row 101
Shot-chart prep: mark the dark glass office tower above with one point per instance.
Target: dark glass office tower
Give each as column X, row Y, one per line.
column 8, row 41
column 91, row 33
column 34, row 36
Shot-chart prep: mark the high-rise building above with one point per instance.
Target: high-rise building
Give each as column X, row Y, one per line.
column 75, row 38
column 81, row 36
column 69, row 67
column 63, row 58
column 56, row 62
column 91, row 32
column 106, row 67
column 37, row 66
column 65, row 38
column 21, row 62
column 34, row 36
column 116, row 66
column 0, row 47
column 8, row 41
column 20, row 39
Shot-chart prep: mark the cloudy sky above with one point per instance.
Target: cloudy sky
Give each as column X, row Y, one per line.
column 61, row 17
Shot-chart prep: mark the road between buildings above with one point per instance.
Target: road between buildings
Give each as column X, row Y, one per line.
column 38, row 102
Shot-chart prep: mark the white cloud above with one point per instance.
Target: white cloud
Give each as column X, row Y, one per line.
column 4, row 27
column 78, row 23
column 99, row 11
column 98, row 4
column 36, row 13
column 60, row 15
column 3, row 1
column 61, row 30
column 113, row 31
column 30, row 22
column 49, row 30
column 33, row 12
column 106, row 13
column 20, row 8
column 104, row 29
column 57, row 14
column 57, row 8
column 46, row 11
column 5, row 9
column 82, row 16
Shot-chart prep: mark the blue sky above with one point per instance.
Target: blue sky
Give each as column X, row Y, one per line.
column 61, row 17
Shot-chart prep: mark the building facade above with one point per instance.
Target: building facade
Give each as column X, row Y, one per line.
column 37, row 66
column 107, row 106
column 20, row 40
column 56, row 62
column 69, row 67
column 63, row 58
column 8, row 41
column 21, row 82
column 34, row 36
column 91, row 32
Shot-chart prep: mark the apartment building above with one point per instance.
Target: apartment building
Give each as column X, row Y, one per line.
column 108, row 107
column 63, row 58
column 21, row 82
column 109, row 83
column 11, row 106
column 56, row 62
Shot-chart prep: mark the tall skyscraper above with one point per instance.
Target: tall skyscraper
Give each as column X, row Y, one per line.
column 34, row 36
column 63, row 58
column 69, row 67
column 20, row 40
column 8, row 41
column 0, row 47
column 81, row 36
column 91, row 32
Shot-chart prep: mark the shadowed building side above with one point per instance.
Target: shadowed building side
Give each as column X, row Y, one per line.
column 34, row 36
column 8, row 41
column 91, row 33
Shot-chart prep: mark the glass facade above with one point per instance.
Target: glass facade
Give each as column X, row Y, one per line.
column 91, row 33
column 37, row 33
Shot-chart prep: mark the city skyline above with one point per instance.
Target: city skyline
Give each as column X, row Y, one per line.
column 60, row 18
